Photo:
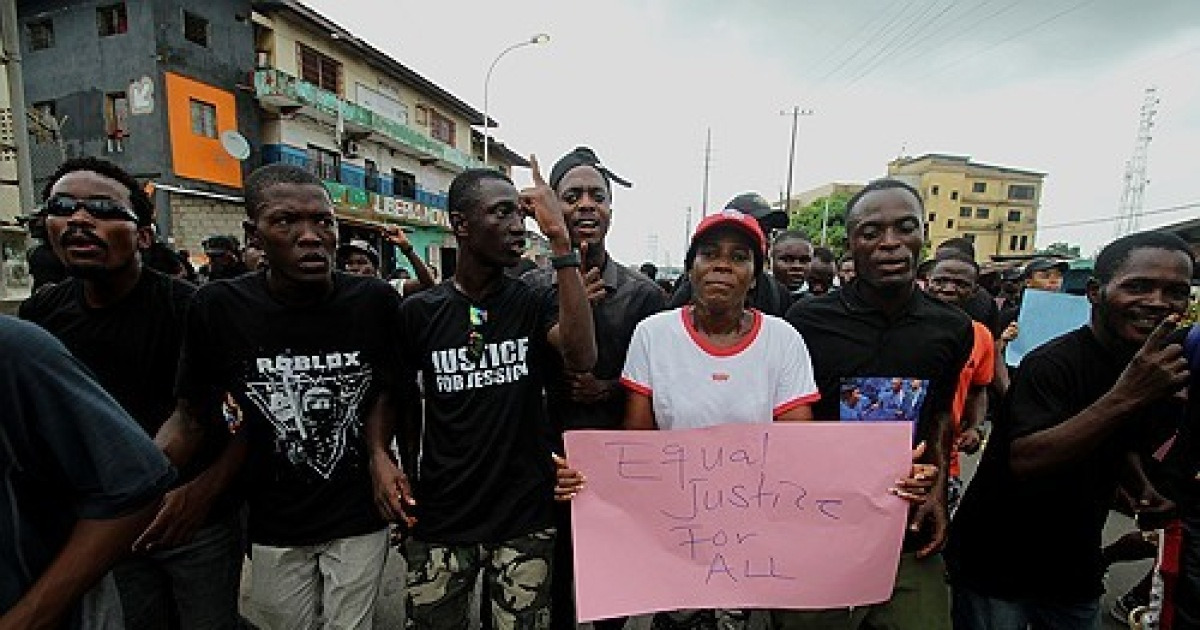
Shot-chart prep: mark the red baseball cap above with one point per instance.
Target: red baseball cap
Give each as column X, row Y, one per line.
column 738, row 220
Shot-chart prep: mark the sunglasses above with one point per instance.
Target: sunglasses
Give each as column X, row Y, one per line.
column 102, row 209
column 477, row 318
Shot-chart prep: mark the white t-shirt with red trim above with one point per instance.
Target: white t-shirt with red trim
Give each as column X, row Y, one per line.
column 694, row 384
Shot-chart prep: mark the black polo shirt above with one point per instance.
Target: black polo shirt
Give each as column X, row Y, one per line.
column 854, row 343
column 851, row 339
column 629, row 298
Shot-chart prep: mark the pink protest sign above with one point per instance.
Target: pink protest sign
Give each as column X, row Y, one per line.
column 790, row 515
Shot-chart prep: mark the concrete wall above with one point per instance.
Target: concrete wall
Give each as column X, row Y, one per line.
column 194, row 219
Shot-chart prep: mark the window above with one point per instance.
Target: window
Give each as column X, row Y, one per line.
column 111, row 20
column 404, row 185
column 979, row 187
column 932, row 217
column 324, row 163
column 372, row 178
column 195, row 28
column 1012, row 242
column 982, row 213
column 933, row 191
column 204, row 118
column 1014, row 215
column 320, row 70
column 949, row 224
column 1024, row 243
column 1022, row 192
column 953, row 195
column 116, row 111
column 441, row 128
column 965, row 212
column 422, row 115
column 41, row 35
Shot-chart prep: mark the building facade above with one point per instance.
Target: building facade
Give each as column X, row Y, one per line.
column 153, row 86
column 386, row 141
column 996, row 207
column 192, row 96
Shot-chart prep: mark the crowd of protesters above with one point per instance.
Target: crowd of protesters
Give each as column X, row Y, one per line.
column 301, row 411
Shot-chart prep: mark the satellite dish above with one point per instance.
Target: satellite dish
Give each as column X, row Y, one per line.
column 235, row 144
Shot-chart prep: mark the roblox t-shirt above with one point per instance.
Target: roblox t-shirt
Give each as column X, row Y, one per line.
column 304, row 379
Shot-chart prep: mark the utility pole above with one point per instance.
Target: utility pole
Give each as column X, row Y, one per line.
column 707, row 166
column 796, row 113
column 825, row 222
column 1130, row 214
column 687, row 227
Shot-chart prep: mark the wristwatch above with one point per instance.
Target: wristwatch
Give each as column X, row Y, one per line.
column 569, row 259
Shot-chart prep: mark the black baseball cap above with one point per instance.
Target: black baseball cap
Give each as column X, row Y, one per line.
column 1044, row 264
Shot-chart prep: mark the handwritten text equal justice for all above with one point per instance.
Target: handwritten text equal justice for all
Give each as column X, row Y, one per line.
column 705, row 483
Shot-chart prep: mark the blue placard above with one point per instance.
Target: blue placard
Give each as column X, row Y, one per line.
column 1044, row 316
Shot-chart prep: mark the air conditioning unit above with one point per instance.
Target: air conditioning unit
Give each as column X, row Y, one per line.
column 351, row 149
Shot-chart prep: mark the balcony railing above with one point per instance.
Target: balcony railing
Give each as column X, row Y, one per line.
column 277, row 88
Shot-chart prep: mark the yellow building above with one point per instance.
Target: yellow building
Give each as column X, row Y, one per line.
column 996, row 207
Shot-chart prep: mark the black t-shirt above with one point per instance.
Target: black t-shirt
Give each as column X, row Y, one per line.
column 629, row 298
column 304, row 378
column 485, row 473
column 1040, row 537
column 858, row 348
column 132, row 346
column 981, row 306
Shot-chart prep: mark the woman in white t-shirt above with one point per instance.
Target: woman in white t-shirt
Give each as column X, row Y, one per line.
column 716, row 361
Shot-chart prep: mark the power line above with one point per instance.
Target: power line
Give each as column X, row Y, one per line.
column 954, row 26
column 894, row 39
column 899, row 42
column 1019, row 33
column 1117, row 217
column 832, row 53
column 867, row 42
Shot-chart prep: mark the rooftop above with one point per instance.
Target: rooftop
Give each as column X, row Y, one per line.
column 966, row 161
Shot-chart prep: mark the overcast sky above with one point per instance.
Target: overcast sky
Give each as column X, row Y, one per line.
column 1048, row 85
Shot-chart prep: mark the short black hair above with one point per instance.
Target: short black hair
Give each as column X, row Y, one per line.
column 823, row 254
column 957, row 255
column 142, row 206
column 264, row 177
column 886, row 183
column 790, row 235
column 1117, row 252
column 464, row 190
column 649, row 269
column 960, row 244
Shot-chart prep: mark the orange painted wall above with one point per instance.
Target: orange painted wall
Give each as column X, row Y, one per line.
column 196, row 156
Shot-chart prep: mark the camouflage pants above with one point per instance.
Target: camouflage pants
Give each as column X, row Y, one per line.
column 701, row 620
column 516, row 578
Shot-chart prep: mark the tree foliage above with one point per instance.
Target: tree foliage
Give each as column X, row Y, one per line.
column 808, row 219
column 1059, row 249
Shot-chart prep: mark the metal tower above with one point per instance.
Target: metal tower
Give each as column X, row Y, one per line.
column 1129, row 215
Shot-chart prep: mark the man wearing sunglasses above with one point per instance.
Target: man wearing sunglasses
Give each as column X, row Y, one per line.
column 484, row 491
column 125, row 322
